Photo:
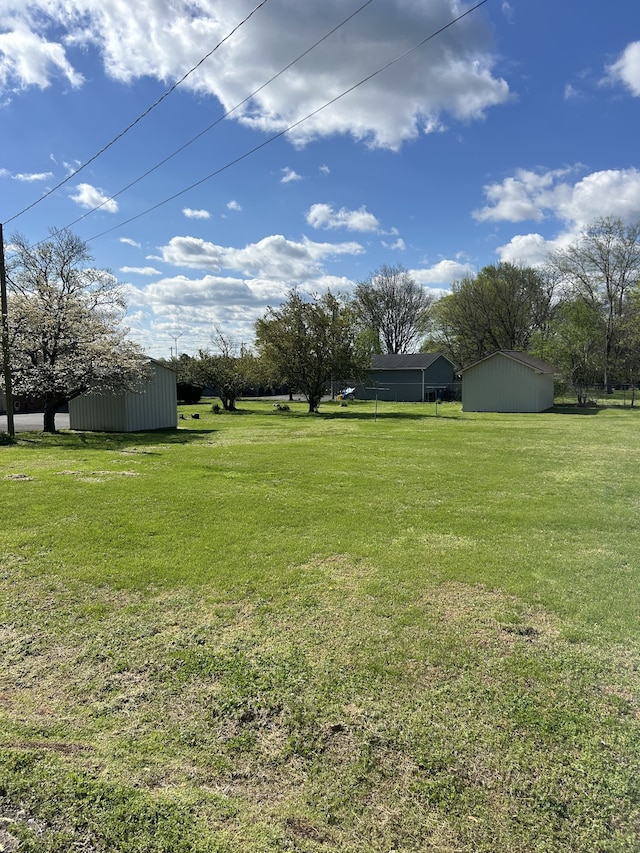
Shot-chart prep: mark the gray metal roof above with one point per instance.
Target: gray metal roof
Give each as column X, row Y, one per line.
column 408, row 361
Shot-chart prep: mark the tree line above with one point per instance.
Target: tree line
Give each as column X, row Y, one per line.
column 580, row 311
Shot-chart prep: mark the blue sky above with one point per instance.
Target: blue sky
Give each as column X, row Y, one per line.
column 498, row 139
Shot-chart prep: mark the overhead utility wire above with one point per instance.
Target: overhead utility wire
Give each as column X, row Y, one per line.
column 140, row 117
column 217, row 121
column 290, row 127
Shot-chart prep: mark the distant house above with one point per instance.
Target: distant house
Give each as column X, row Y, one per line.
column 408, row 378
column 508, row 381
column 152, row 406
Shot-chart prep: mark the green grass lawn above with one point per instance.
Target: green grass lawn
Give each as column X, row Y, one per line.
column 270, row 631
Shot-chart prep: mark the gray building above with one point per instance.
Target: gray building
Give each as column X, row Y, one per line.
column 410, row 378
column 153, row 405
column 508, row 381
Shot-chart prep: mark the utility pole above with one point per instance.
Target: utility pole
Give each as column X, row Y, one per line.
column 5, row 339
column 175, row 339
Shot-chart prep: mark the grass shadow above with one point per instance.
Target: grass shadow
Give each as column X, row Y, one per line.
column 384, row 416
column 111, row 440
column 574, row 409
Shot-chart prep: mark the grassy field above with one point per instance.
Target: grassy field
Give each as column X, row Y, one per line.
column 270, row 631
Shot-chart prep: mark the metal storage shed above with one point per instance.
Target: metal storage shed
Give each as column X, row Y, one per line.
column 508, row 381
column 153, row 406
column 407, row 378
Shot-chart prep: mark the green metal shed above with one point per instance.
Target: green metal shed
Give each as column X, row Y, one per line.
column 508, row 381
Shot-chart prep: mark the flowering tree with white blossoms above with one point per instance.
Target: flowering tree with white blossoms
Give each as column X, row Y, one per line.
column 65, row 324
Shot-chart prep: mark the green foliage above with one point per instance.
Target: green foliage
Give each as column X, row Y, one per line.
column 503, row 307
column 230, row 372
column 306, row 344
column 602, row 271
column 188, row 393
column 575, row 346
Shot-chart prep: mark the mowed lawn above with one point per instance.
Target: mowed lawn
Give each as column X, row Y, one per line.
column 268, row 631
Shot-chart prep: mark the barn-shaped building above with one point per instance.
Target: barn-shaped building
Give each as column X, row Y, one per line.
column 153, row 405
column 410, row 378
column 508, row 381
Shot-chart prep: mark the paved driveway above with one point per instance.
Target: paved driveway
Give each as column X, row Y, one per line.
column 33, row 422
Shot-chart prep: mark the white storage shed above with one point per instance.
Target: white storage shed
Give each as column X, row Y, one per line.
column 152, row 406
column 508, row 381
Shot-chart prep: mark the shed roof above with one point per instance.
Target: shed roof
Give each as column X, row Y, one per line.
column 536, row 364
column 406, row 361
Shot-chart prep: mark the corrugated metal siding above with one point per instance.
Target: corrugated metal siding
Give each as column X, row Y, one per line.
column 500, row 384
column 100, row 412
column 155, row 406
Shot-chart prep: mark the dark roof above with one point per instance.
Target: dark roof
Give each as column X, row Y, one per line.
column 531, row 361
column 410, row 361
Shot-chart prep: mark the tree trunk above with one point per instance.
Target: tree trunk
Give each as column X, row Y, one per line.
column 49, row 418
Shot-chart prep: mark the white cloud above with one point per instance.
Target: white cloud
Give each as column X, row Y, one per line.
column 196, row 214
column 129, row 242
column 573, row 205
column 443, row 273
column 89, row 196
column 324, row 216
column 197, row 305
column 537, row 195
column 233, row 205
column 31, row 177
column 626, row 69
column 526, row 249
column 289, row 175
column 571, row 93
column 28, row 58
column 140, row 271
column 273, row 257
column 518, row 198
column 451, row 80
column 399, row 245
column 325, row 170
column 26, row 177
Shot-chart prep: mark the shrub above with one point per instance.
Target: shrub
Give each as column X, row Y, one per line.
column 188, row 393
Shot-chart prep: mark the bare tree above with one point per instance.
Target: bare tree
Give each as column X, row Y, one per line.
column 394, row 306
column 602, row 268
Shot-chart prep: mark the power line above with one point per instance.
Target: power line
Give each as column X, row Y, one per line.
column 291, row 127
column 221, row 118
column 138, row 119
